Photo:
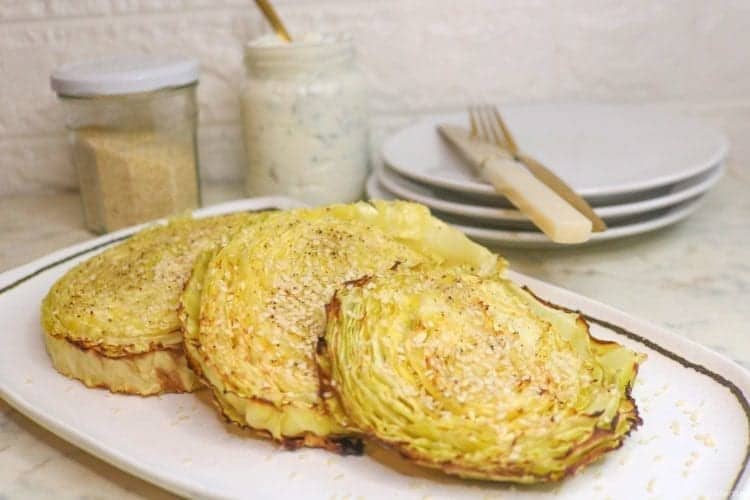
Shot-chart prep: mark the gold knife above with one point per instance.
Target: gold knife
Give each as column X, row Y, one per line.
column 546, row 209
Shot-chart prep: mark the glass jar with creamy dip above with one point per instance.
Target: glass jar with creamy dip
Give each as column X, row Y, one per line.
column 132, row 122
column 304, row 108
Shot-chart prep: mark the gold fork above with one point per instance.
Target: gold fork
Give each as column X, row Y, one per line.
column 557, row 218
column 487, row 123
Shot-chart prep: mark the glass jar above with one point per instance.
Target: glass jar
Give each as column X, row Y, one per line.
column 304, row 107
column 132, row 124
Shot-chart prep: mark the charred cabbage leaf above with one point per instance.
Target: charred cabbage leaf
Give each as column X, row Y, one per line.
column 252, row 312
column 474, row 375
column 111, row 321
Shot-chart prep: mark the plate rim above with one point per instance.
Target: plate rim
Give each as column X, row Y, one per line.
column 523, row 238
column 623, row 326
column 15, row 277
column 389, row 178
column 673, row 215
column 477, row 187
column 710, row 363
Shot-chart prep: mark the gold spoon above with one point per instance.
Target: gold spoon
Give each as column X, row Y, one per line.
column 274, row 20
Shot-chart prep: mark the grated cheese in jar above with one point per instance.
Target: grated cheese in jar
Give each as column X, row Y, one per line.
column 132, row 122
column 128, row 177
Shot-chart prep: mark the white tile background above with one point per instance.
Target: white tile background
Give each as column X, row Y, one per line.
column 419, row 55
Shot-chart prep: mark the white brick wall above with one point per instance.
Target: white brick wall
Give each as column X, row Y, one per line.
column 419, row 55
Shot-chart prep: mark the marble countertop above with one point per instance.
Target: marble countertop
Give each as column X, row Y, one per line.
column 692, row 278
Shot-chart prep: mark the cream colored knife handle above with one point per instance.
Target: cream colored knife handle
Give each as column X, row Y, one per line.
column 553, row 215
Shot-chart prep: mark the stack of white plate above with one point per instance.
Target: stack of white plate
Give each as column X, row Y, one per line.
column 640, row 168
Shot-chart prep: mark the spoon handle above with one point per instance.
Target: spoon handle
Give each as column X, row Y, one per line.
column 273, row 18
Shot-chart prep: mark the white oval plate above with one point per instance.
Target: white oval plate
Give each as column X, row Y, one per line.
column 409, row 190
column 534, row 239
column 599, row 150
column 694, row 438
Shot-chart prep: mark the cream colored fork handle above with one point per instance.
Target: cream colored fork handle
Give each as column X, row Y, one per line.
column 553, row 215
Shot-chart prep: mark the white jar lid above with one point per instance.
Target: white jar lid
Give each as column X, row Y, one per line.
column 124, row 74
